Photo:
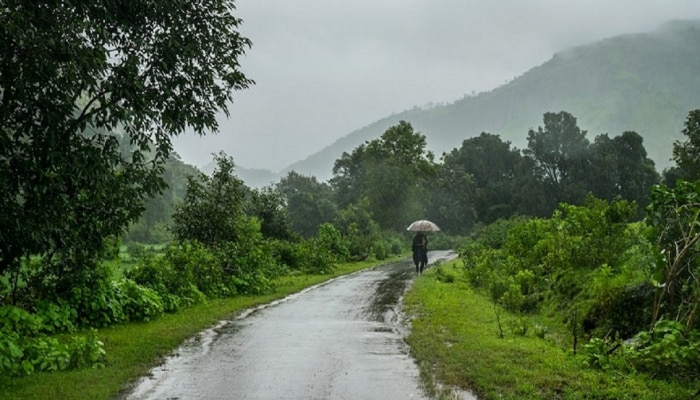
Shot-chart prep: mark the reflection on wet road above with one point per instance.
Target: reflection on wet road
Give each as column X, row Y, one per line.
column 339, row 340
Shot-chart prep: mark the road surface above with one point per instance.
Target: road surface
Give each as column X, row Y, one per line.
column 339, row 340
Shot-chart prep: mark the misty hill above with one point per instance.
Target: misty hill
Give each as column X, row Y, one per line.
column 254, row 178
column 645, row 82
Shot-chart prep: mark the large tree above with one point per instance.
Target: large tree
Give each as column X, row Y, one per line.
column 309, row 203
column 620, row 168
column 390, row 172
column 560, row 152
column 76, row 78
column 500, row 177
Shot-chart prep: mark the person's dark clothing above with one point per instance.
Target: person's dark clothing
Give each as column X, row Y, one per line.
column 420, row 251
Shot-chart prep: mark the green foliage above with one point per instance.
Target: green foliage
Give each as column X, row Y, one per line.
column 213, row 206
column 667, row 350
column 320, row 259
column 87, row 351
column 152, row 226
column 138, row 303
column 331, row 241
column 25, row 348
column 19, row 321
column 559, row 153
column 291, row 254
column 172, row 276
column 248, row 265
column 358, row 229
column 674, row 215
column 687, row 153
column 309, row 203
column 585, row 258
column 82, row 154
column 456, row 344
column 390, row 173
column 56, row 317
column 622, row 168
column 445, row 275
column 267, row 205
column 481, row 182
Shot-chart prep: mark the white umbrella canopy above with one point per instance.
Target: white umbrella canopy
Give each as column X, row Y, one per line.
column 423, row 225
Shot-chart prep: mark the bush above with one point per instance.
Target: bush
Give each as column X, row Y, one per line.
column 444, row 274
column 56, row 318
column 667, row 350
column 138, row 303
column 172, row 275
column 98, row 306
column 330, row 240
column 22, row 355
column 291, row 254
column 380, row 249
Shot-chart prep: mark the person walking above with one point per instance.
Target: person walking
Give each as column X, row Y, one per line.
column 420, row 251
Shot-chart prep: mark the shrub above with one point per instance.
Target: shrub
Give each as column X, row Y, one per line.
column 330, row 240
column 17, row 320
column 138, row 303
column 666, row 350
column 21, row 356
column 57, row 318
column 98, row 306
column 380, row 250
column 291, row 254
column 86, row 351
column 320, row 260
column 248, row 265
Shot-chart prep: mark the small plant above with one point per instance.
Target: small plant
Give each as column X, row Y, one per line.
column 444, row 274
column 540, row 331
column 667, row 350
column 519, row 326
column 87, row 351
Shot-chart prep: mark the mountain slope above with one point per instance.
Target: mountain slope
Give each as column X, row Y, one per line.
column 643, row 82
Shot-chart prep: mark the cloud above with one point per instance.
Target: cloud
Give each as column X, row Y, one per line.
column 325, row 68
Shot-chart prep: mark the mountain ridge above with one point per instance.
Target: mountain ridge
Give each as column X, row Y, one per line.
column 644, row 82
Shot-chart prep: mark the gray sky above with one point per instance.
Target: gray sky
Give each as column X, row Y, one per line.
column 324, row 68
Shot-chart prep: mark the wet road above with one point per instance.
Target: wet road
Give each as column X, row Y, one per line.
column 339, row 340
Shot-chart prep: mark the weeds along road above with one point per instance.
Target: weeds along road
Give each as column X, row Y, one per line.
column 339, row 340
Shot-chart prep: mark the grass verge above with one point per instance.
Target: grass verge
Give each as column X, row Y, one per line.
column 134, row 348
column 455, row 339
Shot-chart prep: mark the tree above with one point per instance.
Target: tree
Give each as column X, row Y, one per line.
column 214, row 208
column 76, row 79
column 309, row 203
column 620, row 168
column 499, row 174
column 267, row 205
column 560, row 151
column 390, row 173
column 687, row 154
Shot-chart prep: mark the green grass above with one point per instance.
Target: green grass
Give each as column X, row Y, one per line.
column 455, row 338
column 133, row 349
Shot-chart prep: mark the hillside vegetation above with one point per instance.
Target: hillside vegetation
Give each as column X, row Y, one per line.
column 645, row 82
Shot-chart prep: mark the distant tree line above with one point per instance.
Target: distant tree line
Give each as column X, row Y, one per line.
column 484, row 180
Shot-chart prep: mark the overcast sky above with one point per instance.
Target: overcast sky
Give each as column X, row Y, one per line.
column 324, row 68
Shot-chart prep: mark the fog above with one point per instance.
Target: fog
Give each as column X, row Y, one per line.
column 325, row 68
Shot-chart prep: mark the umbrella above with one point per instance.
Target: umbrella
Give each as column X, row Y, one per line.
column 423, row 225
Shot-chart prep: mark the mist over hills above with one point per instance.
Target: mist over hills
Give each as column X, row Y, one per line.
column 644, row 82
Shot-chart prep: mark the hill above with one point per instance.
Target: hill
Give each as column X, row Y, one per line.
column 644, row 82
